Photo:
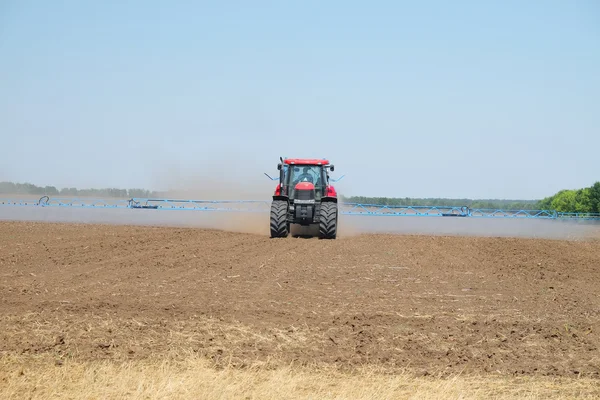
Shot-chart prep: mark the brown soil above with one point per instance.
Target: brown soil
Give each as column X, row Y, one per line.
column 429, row 304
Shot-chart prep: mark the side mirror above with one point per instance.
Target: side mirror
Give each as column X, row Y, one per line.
column 332, row 168
column 278, row 167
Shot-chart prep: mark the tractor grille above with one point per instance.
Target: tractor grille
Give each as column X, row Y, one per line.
column 305, row 194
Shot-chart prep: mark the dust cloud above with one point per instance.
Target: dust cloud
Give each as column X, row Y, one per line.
column 216, row 181
column 226, row 188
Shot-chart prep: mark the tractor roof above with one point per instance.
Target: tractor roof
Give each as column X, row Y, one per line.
column 306, row 161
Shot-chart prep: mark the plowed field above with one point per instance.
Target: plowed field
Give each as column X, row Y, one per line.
column 427, row 304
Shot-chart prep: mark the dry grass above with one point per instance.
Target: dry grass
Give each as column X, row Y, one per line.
column 41, row 378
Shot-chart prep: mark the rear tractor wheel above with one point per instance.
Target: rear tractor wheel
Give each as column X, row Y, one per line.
column 279, row 225
column 328, row 221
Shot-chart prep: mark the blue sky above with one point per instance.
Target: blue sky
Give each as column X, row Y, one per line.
column 496, row 99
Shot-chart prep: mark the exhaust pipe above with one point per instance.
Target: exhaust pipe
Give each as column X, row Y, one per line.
column 281, row 178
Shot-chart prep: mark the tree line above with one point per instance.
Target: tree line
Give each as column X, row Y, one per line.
column 586, row 200
column 439, row 202
column 11, row 188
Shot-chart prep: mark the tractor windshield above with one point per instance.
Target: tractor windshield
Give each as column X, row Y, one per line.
column 305, row 173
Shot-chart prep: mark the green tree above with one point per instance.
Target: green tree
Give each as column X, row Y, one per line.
column 595, row 197
column 8, row 188
column 583, row 201
column 50, row 191
column 564, row 201
column 68, row 192
column 546, row 203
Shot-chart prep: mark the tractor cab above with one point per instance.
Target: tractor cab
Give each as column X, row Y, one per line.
column 305, row 171
column 305, row 174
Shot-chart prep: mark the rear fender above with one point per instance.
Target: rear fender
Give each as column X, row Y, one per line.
column 329, row 199
column 283, row 198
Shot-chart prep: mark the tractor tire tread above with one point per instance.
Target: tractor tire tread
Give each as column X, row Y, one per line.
column 328, row 221
column 279, row 225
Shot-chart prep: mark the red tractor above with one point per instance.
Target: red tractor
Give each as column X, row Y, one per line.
column 304, row 197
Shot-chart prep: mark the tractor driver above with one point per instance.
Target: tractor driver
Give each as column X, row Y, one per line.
column 305, row 176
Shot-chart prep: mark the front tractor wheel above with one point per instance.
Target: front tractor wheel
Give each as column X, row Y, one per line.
column 279, row 225
column 328, row 221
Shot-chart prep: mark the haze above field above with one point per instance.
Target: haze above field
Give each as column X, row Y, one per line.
column 460, row 100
